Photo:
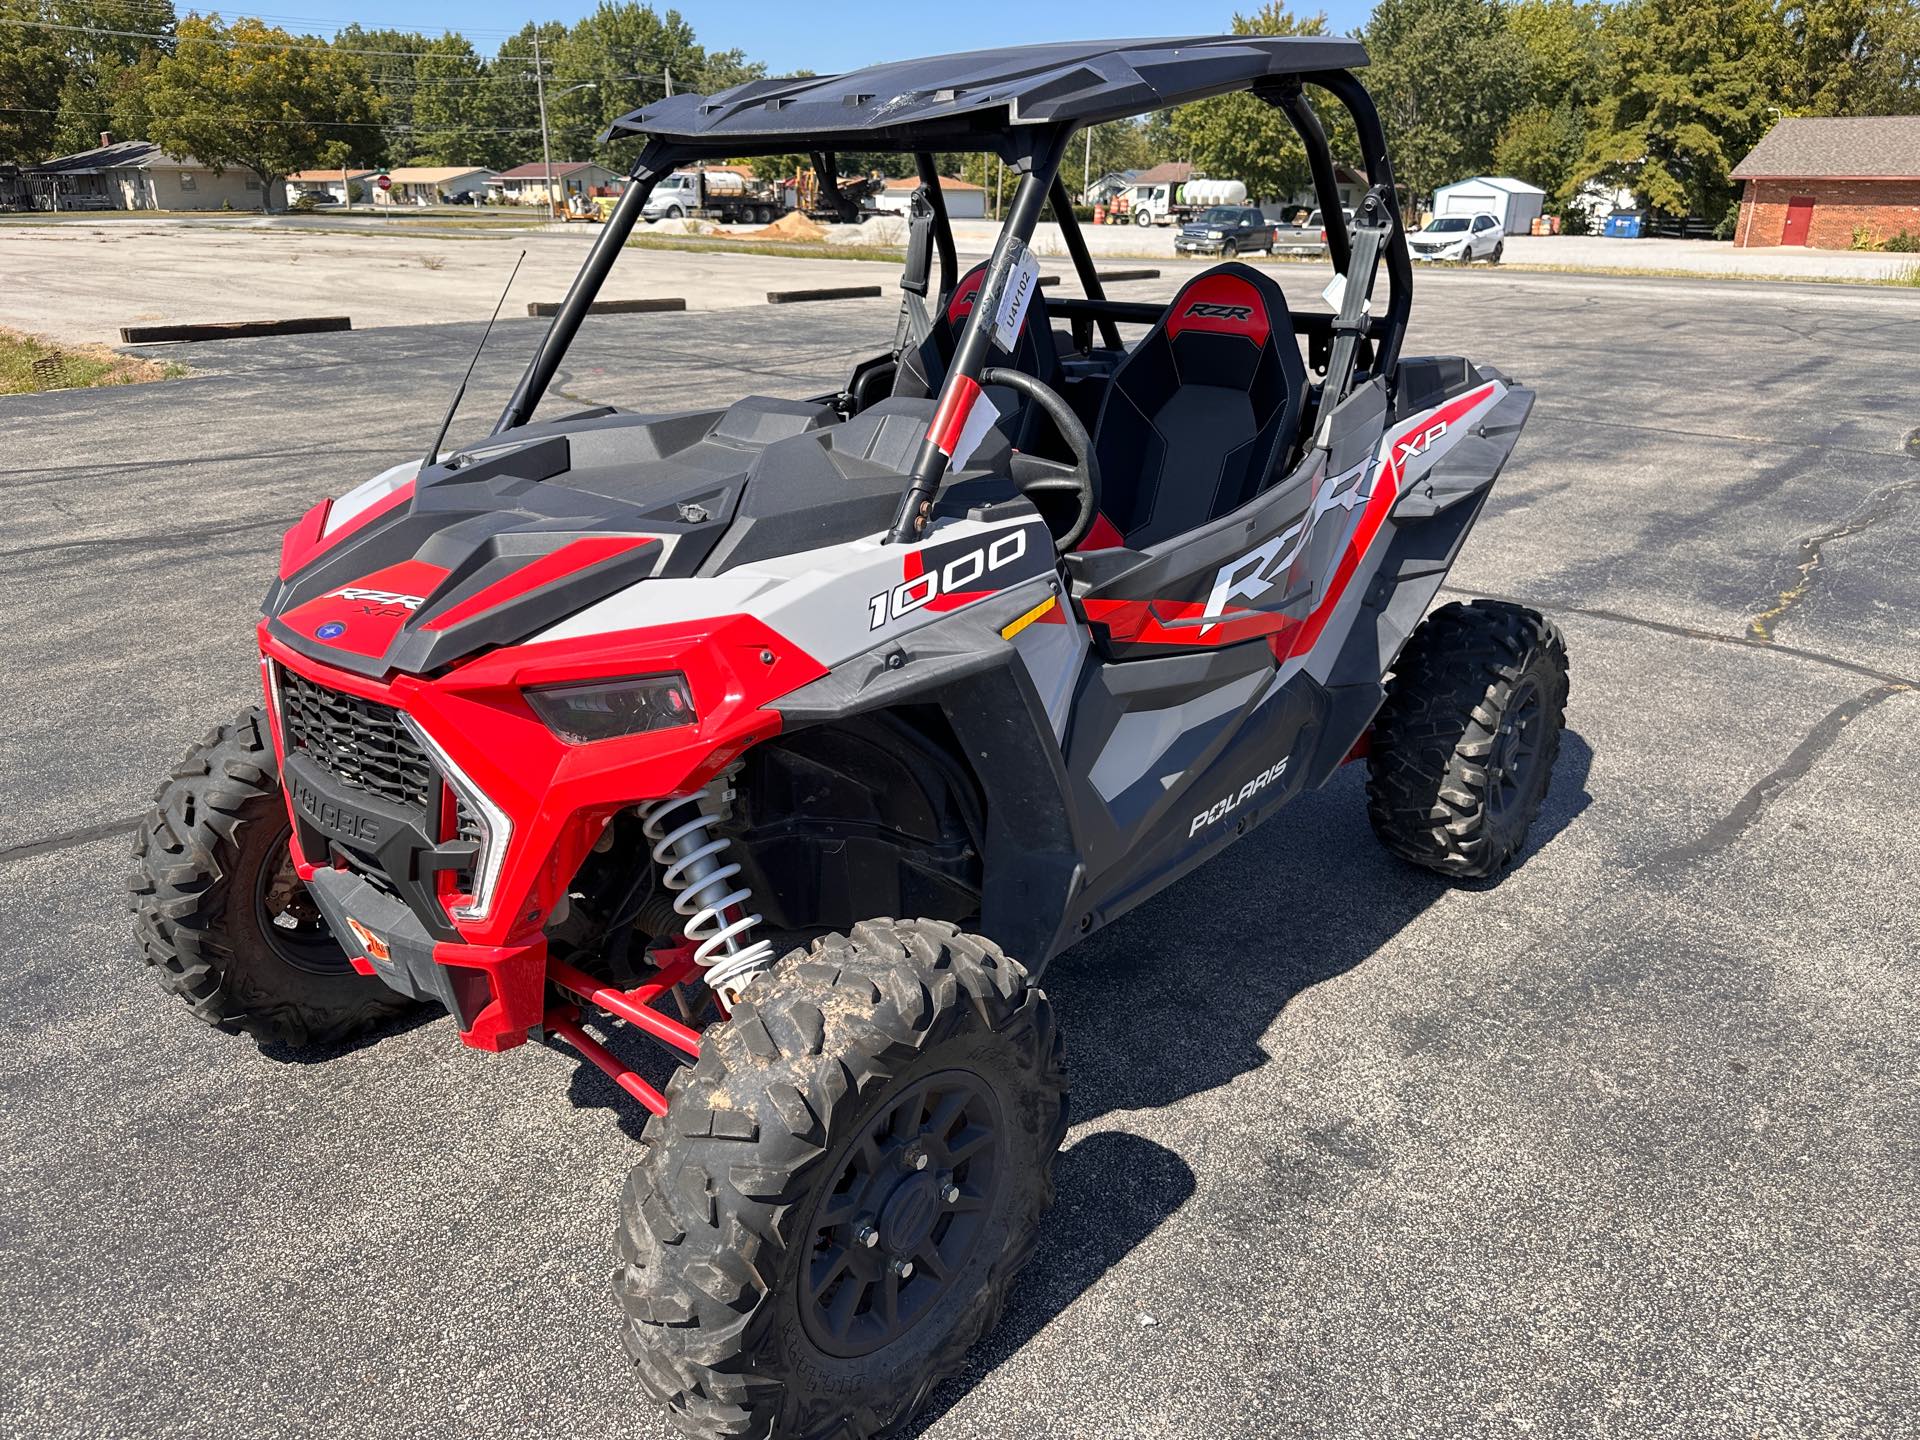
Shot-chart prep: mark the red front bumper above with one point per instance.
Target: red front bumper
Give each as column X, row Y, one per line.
column 558, row 797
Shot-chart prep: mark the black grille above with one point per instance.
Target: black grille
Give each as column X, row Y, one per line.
column 363, row 744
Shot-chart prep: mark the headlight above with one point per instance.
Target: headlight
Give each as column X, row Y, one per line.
column 496, row 830
column 608, row 709
column 1216, row 234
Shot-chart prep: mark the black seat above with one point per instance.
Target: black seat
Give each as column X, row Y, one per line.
column 1202, row 414
column 923, row 368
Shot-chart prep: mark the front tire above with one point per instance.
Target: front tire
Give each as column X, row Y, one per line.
column 220, row 914
column 1463, row 749
column 1143, row 218
column 828, row 1217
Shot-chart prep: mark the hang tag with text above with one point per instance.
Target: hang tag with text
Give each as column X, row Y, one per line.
column 1023, row 283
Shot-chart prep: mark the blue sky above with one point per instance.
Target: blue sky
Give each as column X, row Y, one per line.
column 811, row 34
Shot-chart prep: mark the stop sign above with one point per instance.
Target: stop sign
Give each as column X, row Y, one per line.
column 385, row 182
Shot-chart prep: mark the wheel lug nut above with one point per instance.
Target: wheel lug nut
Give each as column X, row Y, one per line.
column 867, row 1236
column 920, row 1161
column 951, row 1194
column 903, row 1268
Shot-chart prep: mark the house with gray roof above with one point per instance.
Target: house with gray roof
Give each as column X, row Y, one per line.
column 139, row 175
column 1826, row 182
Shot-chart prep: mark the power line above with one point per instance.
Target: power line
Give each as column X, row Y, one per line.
column 322, row 124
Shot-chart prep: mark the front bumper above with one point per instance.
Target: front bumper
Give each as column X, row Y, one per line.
column 378, row 870
column 1185, row 245
column 494, row 993
column 1452, row 253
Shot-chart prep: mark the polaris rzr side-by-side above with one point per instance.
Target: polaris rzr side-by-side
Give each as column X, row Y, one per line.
column 657, row 721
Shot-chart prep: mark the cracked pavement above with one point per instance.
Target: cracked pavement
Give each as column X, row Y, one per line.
column 1624, row 1144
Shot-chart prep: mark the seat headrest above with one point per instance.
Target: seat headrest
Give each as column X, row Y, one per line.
column 1229, row 299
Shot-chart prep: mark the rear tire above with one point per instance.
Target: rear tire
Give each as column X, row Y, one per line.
column 1499, row 249
column 221, row 917
column 756, row 1304
column 1463, row 749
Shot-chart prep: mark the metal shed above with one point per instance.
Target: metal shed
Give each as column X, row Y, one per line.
column 1515, row 202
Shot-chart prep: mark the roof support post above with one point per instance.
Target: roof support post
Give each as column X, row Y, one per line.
column 1290, row 100
column 1373, row 149
column 586, row 285
column 1036, row 168
column 942, row 225
column 1082, row 260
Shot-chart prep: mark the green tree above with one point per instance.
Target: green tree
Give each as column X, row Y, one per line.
column 449, row 108
column 108, row 64
column 389, row 59
column 1241, row 137
column 1852, row 57
column 1117, row 145
column 1690, row 87
column 1447, row 76
column 624, row 52
column 252, row 97
column 1565, row 60
column 510, row 98
column 33, row 71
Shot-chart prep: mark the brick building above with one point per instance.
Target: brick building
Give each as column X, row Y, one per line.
column 1818, row 182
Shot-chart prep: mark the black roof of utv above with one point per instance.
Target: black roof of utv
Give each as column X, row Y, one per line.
column 961, row 101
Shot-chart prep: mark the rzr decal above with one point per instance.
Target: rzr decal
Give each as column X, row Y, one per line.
column 378, row 597
column 1203, row 311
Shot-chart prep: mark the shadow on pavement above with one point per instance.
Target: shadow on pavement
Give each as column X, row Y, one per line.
column 1112, row 1191
column 1173, row 999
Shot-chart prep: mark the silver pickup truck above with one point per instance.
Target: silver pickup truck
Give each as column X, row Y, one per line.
column 1307, row 239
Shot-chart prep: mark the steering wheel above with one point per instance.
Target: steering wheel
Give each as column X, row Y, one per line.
column 1036, row 476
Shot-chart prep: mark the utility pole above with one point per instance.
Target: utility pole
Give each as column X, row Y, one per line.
column 668, row 69
column 546, row 146
column 1086, row 168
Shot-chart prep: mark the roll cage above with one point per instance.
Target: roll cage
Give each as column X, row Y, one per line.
column 1024, row 105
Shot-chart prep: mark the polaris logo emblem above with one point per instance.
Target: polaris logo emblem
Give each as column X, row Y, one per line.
column 377, row 597
column 1202, row 310
column 336, row 819
column 1220, row 809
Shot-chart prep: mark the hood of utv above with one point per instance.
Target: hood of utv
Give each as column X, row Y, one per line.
column 505, row 540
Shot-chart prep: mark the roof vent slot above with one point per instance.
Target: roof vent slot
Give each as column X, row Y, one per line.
column 856, row 100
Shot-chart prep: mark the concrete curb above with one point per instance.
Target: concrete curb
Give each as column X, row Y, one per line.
column 838, row 292
column 232, row 330
column 613, row 307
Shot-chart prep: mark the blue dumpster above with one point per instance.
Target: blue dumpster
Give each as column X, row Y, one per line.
column 1625, row 224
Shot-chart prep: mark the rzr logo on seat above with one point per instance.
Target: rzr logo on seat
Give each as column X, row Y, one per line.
column 378, row 597
column 1202, row 310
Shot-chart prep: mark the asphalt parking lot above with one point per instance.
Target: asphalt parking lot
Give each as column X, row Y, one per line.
column 1625, row 1144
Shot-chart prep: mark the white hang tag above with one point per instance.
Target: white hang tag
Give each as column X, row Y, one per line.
column 1335, row 292
column 1023, row 282
column 980, row 422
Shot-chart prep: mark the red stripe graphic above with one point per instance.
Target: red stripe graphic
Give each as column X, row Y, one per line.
column 951, row 418
column 562, row 562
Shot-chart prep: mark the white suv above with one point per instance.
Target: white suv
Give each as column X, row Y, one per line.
column 1459, row 237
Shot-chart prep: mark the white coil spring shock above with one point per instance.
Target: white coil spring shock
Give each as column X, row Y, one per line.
column 680, row 828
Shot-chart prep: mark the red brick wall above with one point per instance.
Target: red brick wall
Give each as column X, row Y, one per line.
column 1884, row 207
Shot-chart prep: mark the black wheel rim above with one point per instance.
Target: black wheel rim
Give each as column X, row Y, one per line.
column 290, row 922
column 906, row 1210
column 1516, row 745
